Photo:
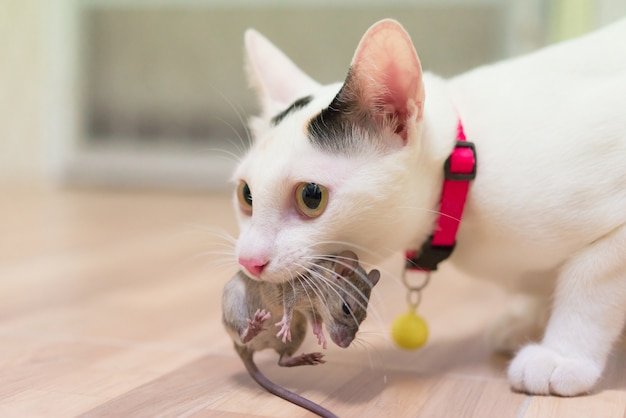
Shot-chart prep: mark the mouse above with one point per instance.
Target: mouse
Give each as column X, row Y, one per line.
column 334, row 292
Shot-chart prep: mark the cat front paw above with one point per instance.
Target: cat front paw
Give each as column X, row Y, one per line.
column 540, row 370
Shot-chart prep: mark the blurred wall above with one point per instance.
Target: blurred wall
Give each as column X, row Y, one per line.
column 173, row 73
column 22, row 74
column 39, row 82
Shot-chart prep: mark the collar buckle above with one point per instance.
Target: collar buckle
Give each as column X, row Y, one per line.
column 462, row 158
column 429, row 256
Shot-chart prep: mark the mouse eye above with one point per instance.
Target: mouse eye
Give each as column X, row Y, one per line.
column 245, row 197
column 311, row 199
column 346, row 309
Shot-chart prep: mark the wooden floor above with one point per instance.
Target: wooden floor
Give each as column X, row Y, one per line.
column 110, row 306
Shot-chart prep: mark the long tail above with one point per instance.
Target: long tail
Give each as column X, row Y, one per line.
column 282, row 392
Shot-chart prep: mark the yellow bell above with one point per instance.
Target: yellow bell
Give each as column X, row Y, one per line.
column 409, row 331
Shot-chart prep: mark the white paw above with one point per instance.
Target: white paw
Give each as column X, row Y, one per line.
column 542, row 371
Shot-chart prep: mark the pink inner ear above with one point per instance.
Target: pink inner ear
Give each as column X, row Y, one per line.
column 344, row 272
column 388, row 73
column 346, row 264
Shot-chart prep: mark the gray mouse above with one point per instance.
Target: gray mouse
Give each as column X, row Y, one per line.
column 335, row 292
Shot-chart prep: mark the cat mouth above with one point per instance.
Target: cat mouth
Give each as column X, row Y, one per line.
column 281, row 268
column 267, row 273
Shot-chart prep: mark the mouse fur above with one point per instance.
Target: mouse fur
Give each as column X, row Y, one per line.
column 335, row 292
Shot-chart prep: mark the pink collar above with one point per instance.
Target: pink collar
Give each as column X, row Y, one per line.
column 460, row 169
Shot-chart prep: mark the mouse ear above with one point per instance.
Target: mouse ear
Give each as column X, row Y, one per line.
column 374, row 276
column 346, row 264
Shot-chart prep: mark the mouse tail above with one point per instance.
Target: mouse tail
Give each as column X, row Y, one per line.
column 281, row 392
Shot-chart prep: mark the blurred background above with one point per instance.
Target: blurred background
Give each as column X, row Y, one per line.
column 152, row 93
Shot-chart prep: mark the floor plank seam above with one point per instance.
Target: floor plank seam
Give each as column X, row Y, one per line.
column 478, row 378
column 524, row 406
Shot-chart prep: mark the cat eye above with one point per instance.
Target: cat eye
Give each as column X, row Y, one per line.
column 245, row 197
column 311, row 199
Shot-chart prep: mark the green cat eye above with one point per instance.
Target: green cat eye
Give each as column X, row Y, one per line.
column 244, row 196
column 311, row 199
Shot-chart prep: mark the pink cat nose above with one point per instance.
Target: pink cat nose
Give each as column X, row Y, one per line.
column 254, row 266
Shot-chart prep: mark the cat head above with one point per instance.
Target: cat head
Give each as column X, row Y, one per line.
column 334, row 167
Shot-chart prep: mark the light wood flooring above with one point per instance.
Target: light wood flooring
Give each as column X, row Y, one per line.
column 110, row 306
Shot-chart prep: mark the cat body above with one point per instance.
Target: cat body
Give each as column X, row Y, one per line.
column 545, row 216
column 551, row 133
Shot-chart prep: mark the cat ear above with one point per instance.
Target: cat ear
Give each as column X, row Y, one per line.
column 277, row 79
column 385, row 78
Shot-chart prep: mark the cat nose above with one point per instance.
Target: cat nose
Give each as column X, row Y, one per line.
column 254, row 266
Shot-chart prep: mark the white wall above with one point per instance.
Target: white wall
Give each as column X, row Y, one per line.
column 38, row 82
column 22, row 75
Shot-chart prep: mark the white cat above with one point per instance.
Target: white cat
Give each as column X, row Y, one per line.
column 359, row 165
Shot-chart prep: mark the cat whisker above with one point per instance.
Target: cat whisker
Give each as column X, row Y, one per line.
column 238, row 112
column 373, row 307
column 309, row 277
column 218, row 264
column 336, row 288
column 304, row 285
column 212, row 231
column 227, row 155
column 369, row 348
column 211, row 253
column 373, row 310
column 242, row 146
column 433, row 211
column 347, row 244
column 384, row 272
column 344, row 279
column 314, row 287
column 316, row 277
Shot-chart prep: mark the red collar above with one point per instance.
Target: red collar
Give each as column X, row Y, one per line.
column 459, row 169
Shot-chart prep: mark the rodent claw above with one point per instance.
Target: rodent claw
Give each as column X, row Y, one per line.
column 285, row 329
column 319, row 333
column 313, row 358
column 255, row 325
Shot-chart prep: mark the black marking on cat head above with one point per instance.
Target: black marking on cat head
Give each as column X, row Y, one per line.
column 298, row 104
column 339, row 128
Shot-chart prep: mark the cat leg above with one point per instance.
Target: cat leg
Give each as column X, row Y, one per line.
column 587, row 318
column 522, row 322
column 305, row 359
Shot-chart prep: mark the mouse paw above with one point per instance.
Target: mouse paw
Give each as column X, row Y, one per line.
column 255, row 325
column 285, row 329
column 304, row 359
column 319, row 333
column 261, row 315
